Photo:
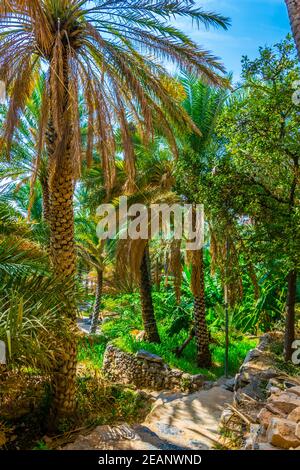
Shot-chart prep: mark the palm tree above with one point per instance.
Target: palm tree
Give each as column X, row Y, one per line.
column 203, row 103
column 293, row 7
column 149, row 320
column 91, row 250
column 95, row 48
column 154, row 181
column 28, row 167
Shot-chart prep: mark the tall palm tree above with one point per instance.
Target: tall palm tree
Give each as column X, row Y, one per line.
column 204, row 104
column 153, row 185
column 91, row 250
column 109, row 51
column 293, row 7
column 29, row 163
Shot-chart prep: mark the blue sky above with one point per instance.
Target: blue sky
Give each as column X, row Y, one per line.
column 254, row 23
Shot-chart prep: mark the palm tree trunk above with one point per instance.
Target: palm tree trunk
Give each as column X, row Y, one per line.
column 293, row 7
column 63, row 260
column 46, row 199
column 97, row 306
column 201, row 330
column 146, row 300
column 290, row 315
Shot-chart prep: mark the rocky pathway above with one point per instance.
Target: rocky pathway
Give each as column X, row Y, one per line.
column 177, row 422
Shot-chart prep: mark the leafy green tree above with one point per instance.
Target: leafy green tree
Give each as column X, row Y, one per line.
column 261, row 174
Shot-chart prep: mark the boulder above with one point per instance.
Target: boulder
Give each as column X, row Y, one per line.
column 295, row 415
column 252, row 442
column 286, row 402
column 278, row 413
column 226, row 383
column 295, row 390
column 226, row 416
column 298, row 431
column 198, row 378
column 282, row 433
column 252, row 354
column 146, row 356
column 264, row 417
column 265, row 341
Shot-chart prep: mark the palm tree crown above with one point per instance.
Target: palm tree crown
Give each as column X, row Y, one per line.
column 111, row 50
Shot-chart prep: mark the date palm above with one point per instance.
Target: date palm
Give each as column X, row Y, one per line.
column 204, row 104
column 92, row 252
column 293, row 7
column 22, row 172
column 110, row 52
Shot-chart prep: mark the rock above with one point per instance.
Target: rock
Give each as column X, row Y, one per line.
column 273, row 387
column 286, row 402
column 198, row 378
column 252, row 354
column 256, row 431
column 226, row 383
column 254, row 389
column 295, row 390
column 295, row 415
column 226, row 416
column 142, row 354
column 264, row 417
column 281, row 433
column 274, row 391
column 298, row 431
column 275, row 410
column 265, row 341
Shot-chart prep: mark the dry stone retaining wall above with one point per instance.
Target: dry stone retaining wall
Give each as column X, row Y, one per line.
column 270, row 398
column 145, row 370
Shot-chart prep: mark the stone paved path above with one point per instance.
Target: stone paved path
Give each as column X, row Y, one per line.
column 177, row 422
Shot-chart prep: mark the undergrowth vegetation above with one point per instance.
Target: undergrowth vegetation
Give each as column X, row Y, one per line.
column 174, row 322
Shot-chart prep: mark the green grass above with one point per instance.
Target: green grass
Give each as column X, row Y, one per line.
column 187, row 363
column 173, row 324
column 91, row 350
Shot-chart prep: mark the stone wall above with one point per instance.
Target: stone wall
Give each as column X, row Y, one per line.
column 145, row 370
column 268, row 398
